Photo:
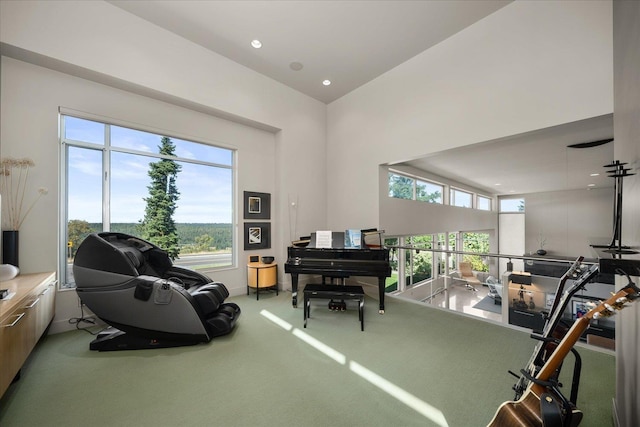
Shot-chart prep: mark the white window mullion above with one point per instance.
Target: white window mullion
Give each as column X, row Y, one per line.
column 106, row 177
column 62, row 207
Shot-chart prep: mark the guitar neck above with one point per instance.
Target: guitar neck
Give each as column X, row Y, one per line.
column 607, row 308
column 556, row 358
column 563, row 281
column 560, row 303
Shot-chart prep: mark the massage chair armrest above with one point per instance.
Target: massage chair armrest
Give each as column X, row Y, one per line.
column 145, row 286
column 215, row 287
column 185, row 276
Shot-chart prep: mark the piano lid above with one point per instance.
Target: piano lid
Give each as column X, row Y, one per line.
column 367, row 254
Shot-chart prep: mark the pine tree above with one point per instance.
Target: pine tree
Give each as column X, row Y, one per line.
column 158, row 225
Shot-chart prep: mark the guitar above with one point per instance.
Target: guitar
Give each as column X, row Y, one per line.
column 560, row 303
column 542, row 399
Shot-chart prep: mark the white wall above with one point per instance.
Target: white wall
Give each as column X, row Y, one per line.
column 569, row 220
column 99, row 42
column 627, row 149
column 511, row 239
column 528, row 66
column 31, row 96
column 400, row 217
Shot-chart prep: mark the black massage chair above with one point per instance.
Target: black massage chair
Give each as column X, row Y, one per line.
column 132, row 285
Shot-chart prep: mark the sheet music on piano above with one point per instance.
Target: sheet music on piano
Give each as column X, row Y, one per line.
column 323, row 239
column 330, row 240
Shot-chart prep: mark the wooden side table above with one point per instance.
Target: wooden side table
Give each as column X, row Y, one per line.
column 261, row 276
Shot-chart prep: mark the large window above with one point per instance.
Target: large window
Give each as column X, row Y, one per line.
column 401, row 187
column 460, row 198
column 512, row 205
column 122, row 180
column 476, row 242
column 405, row 187
column 483, row 203
column 419, row 264
column 429, row 192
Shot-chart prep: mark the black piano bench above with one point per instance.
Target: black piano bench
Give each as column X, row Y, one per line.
column 333, row 292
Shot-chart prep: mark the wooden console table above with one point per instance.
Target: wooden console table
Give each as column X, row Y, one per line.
column 24, row 317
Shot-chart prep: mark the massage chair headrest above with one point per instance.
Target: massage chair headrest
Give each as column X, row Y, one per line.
column 122, row 254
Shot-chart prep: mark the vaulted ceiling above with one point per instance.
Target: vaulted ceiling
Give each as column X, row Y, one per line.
column 353, row 42
column 346, row 42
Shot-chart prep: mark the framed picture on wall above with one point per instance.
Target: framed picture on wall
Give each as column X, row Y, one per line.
column 257, row 235
column 257, row 205
column 549, row 298
column 579, row 308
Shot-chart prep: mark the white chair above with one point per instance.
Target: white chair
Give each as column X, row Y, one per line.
column 495, row 289
column 467, row 274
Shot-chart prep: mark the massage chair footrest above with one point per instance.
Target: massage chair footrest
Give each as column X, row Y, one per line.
column 223, row 321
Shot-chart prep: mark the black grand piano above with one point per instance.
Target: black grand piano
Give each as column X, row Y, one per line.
column 338, row 263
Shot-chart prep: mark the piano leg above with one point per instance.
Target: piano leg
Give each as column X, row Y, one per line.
column 381, row 289
column 294, row 290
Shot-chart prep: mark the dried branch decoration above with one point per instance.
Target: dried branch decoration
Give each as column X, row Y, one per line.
column 14, row 174
column 541, row 240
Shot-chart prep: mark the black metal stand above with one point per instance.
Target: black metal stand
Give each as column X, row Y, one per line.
column 619, row 173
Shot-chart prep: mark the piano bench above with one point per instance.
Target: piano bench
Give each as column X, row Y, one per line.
column 333, row 292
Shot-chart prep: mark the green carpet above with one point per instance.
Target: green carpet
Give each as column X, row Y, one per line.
column 411, row 361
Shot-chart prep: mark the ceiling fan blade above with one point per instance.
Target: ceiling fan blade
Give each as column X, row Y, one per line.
column 590, row 144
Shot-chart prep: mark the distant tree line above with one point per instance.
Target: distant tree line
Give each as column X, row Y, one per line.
column 193, row 237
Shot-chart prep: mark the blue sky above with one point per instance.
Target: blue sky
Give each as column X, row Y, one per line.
column 205, row 192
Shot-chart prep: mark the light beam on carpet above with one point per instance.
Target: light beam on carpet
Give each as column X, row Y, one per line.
column 278, row 321
column 413, row 402
column 320, row 346
column 420, row 406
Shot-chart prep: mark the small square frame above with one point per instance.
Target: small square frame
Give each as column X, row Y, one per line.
column 257, row 205
column 257, row 235
column 549, row 299
column 579, row 308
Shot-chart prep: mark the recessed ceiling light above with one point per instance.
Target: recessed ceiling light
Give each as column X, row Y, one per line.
column 256, row 43
column 594, row 174
column 497, row 184
column 591, row 185
column 326, row 82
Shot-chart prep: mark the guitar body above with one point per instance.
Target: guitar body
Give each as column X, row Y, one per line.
column 542, row 405
column 525, row 412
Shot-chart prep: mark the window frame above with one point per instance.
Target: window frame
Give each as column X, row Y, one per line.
column 502, row 211
column 483, row 197
column 106, row 148
column 432, row 183
column 452, row 199
column 413, row 185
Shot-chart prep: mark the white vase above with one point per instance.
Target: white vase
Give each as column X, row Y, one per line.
column 8, row 272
